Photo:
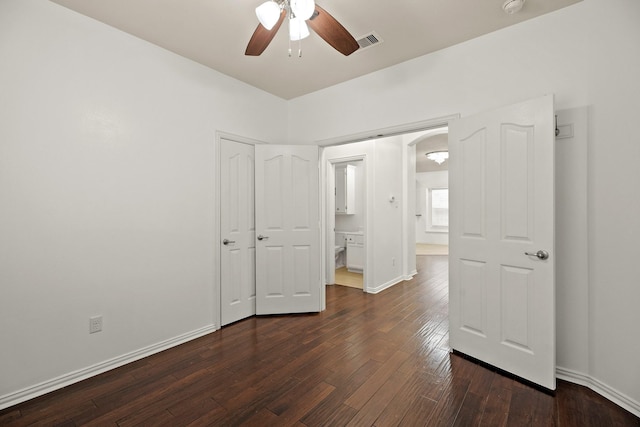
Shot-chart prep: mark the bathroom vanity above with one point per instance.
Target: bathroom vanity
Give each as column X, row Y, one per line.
column 355, row 252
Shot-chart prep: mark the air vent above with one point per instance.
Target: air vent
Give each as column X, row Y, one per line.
column 369, row 40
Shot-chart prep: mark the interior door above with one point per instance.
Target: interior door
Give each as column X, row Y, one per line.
column 502, row 289
column 288, row 227
column 237, row 231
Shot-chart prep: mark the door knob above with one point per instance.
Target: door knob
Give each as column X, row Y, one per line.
column 540, row 254
column 227, row 241
column 261, row 237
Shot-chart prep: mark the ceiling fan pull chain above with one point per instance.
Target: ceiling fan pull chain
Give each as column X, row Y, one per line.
column 299, row 48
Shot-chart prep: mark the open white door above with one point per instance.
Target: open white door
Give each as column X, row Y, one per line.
column 237, row 230
column 288, row 228
column 501, row 284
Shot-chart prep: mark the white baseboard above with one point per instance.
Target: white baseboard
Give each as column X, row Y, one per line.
column 601, row 388
column 73, row 377
column 384, row 286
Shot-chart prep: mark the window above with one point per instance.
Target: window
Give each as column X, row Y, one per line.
column 438, row 209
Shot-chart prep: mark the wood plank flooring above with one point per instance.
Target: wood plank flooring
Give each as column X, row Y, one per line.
column 367, row 360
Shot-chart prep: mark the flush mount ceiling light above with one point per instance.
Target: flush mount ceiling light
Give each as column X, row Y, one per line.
column 512, row 6
column 438, row 156
column 272, row 13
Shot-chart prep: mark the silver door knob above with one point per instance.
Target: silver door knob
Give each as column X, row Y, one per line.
column 227, row 241
column 261, row 237
column 540, row 254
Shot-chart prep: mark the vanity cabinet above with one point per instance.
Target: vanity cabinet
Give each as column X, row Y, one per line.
column 355, row 252
column 345, row 189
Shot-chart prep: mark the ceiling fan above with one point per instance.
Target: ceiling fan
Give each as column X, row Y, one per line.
column 272, row 14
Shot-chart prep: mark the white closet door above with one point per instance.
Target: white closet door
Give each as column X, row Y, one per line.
column 237, row 229
column 288, row 229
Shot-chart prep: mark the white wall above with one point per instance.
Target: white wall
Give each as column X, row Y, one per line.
column 539, row 56
column 572, row 278
column 387, row 211
column 107, row 190
column 587, row 55
column 425, row 181
column 614, row 193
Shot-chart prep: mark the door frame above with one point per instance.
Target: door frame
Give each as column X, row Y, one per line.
column 217, row 233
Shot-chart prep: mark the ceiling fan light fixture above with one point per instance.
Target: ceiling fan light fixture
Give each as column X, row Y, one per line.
column 320, row 21
column 268, row 14
column 303, row 8
column 298, row 29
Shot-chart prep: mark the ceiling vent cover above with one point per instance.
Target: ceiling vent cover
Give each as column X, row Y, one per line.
column 368, row 40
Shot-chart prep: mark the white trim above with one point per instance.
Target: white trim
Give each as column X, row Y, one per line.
column 386, row 285
column 76, row 376
column 389, row 131
column 601, row 388
column 236, row 138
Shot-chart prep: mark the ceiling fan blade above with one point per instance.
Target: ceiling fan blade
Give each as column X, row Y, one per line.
column 262, row 37
column 327, row 27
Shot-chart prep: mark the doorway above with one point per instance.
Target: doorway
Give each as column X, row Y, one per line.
column 389, row 230
column 432, row 190
column 346, row 219
column 349, row 202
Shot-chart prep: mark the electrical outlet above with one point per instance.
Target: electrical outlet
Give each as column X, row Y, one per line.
column 95, row 324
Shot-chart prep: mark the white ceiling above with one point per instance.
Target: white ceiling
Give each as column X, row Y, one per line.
column 215, row 33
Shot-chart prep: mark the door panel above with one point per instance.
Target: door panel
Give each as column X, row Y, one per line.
column 288, row 227
column 502, row 301
column 516, row 328
column 517, row 182
column 237, row 266
column 472, row 182
column 473, row 290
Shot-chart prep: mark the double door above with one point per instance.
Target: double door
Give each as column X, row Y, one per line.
column 269, row 230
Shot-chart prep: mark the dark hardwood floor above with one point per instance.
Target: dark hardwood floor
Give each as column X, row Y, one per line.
column 367, row 360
